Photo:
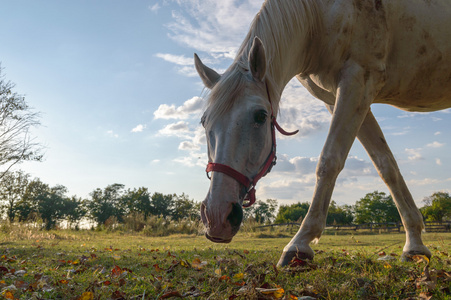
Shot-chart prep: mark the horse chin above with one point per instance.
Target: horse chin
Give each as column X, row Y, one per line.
column 218, row 240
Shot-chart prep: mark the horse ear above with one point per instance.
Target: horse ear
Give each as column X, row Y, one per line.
column 257, row 59
column 208, row 76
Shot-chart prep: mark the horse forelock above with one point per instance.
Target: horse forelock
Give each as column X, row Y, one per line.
column 231, row 87
column 224, row 94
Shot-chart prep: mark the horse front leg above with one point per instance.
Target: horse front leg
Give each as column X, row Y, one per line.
column 354, row 96
column 372, row 138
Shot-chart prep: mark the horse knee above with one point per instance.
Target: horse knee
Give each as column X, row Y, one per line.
column 328, row 168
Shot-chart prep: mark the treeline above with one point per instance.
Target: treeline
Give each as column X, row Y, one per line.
column 375, row 207
column 23, row 199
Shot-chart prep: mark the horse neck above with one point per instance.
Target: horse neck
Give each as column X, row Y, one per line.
column 287, row 30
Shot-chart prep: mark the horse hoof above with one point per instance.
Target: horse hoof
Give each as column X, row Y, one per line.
column 288, row 256
column 408, row 256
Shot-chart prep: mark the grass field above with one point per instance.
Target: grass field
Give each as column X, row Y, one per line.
column 100, row 265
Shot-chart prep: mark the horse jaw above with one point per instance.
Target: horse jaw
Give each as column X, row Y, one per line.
column 221, row 210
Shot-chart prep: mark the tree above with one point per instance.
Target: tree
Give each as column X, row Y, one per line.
column 339, row 214
column 437, row 207
column 16, row 120
column 292, row 213
column 137, row 201
column 12, row 189
column 183, row 208
column 107, row 203
column 376, row 207
column 41, row 200
column 162, row 205
column 262, row 212
column 27, row 208
column 74, row 211
column 51, row 205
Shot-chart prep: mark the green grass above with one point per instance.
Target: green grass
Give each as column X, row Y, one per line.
column 101, row 265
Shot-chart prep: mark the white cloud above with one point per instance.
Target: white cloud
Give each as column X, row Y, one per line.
column 414, row 154
column 295, row 178
column 188, row 145
column 300, row 110
column 185, row 65
column 192, row 139
column 438, row 161
column 406, row 114
column 399, row 133
column 216, row 27
column 176, row 59
column 434, row 145
column 425, row 181
column 298, row 165
column 355, row 166
column 193, row 159
column 191, row 107
column 188, row 71
column 288, row 189
column 139, row 128
column 437, row 133
column 179, row 129
column 154, row 8
column 111, row 133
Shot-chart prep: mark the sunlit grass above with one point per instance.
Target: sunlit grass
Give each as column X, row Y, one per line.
column 110, row 265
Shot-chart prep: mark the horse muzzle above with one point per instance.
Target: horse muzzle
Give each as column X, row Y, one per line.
column 222, row 224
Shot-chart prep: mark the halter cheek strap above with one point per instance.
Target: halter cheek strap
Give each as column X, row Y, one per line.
column 247, row 182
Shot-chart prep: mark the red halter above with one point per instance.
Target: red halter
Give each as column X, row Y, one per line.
column 247, row 182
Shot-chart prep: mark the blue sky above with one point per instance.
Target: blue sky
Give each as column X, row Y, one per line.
column 121, row 101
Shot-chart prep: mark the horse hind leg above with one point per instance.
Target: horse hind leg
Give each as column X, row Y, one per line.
column 372, row 138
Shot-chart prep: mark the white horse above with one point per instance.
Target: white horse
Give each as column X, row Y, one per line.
column 348, row 54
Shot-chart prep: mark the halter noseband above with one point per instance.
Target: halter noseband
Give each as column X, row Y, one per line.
column 250, row 183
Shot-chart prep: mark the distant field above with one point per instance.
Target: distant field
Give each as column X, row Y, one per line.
column 100, row 265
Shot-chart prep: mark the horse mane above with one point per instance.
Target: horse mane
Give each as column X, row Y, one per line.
column 275, row 24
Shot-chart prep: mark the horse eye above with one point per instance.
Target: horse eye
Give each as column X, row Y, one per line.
column 260, row 116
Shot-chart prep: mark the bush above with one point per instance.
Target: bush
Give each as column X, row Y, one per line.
column 159, row 226
column 135, row 222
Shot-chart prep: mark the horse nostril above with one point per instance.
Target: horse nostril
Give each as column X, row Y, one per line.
column 236, row 215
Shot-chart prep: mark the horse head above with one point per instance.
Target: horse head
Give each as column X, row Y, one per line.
column 238, row 126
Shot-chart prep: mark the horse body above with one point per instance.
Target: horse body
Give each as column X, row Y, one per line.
column 418, row 64
column 349, row 54
column 408, row 42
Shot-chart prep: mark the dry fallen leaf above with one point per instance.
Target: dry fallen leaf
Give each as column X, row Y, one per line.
column 277, row 292
column 198, row 264
column 171, row 294
column 8, row 295
column 116, row 271
column 420, row 258
column 87, row 296
column 157, row 268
